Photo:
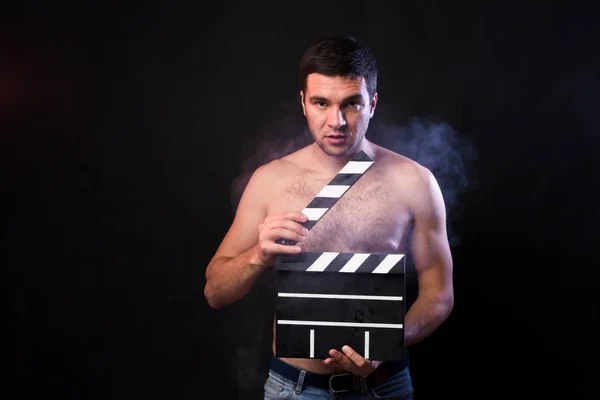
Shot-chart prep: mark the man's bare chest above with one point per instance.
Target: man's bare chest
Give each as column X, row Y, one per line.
column 370, row 217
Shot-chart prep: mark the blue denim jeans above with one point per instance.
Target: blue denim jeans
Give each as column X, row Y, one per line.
column 396, row 387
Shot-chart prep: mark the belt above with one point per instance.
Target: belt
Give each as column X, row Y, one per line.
column 342, row 382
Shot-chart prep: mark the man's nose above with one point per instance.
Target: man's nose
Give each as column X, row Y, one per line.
column 336, row 118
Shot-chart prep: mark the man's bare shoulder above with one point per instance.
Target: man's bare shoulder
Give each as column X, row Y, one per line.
column 281, row 168
column 417, row 183
column 402, row 170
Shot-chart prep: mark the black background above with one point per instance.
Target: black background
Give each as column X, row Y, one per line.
column 124, row 126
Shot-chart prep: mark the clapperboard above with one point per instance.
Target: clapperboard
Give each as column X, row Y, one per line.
column 327, row 299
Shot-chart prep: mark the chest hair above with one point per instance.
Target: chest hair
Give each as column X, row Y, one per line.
column 365, row 218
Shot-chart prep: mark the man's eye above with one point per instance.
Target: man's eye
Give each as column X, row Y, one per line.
column 354, row 104
column 321, row 104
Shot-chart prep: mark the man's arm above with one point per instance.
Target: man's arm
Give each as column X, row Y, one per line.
column 250, row 243
column 432, row 259
column 433, row 262
column 236, row 263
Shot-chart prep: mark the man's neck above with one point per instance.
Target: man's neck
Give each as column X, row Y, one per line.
column 333, row 164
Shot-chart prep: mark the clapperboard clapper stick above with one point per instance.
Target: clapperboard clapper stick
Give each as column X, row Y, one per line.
column 327, row 299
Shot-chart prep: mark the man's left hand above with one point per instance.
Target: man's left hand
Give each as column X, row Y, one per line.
column 351, row 361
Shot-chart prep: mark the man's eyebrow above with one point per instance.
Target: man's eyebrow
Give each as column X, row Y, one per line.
column 357, row 96
column 317, row 99
column 353, row 97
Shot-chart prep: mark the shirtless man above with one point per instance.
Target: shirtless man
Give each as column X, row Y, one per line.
column 395, row 207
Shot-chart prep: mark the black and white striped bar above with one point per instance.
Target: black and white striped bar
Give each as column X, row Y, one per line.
column 334, row 190
column 326, row 300
column 341, row 262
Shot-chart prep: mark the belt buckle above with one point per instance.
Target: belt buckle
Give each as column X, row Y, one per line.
column 331, row 387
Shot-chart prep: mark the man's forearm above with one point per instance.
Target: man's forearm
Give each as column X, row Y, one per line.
column 230, row 279
column 425, row 315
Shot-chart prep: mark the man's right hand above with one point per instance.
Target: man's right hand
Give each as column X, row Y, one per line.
column 286, row 225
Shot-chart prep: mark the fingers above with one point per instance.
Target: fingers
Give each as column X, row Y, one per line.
column 350, row 360
column 289, row 221
column 270, row 246
column 283, row 249
column 280, row 233
column 289, row 231
column 275, row 238
column 296, row 216
column 284, row 226
column 331, row 361
column 356, row 358
column 340, row 360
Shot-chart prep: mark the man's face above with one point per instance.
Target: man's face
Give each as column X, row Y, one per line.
column 338, row 111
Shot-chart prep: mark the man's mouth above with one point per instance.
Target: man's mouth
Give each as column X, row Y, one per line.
column 336, row 139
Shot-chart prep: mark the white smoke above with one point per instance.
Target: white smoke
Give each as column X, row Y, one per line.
column 435, row 145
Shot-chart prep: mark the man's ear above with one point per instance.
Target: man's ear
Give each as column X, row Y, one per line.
column 302, row 102
column 373, row 104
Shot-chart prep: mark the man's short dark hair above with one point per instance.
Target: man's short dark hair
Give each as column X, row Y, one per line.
column 340, row 56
